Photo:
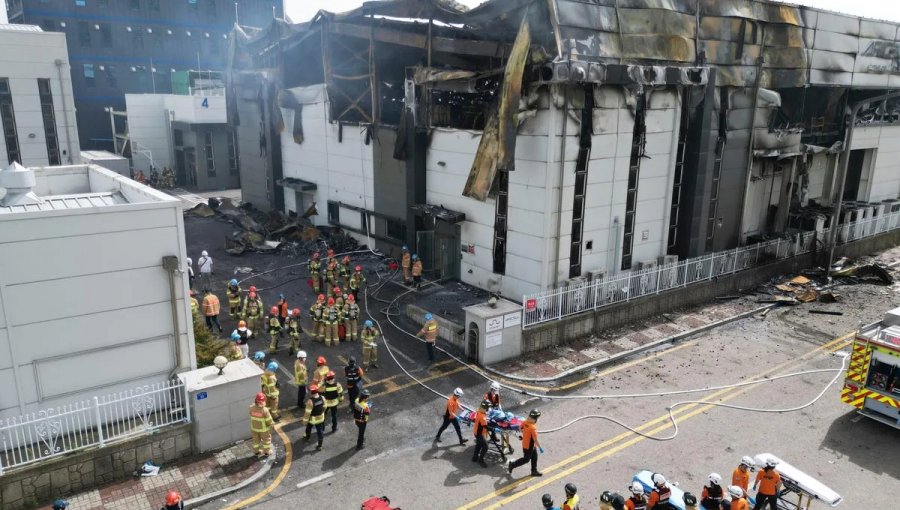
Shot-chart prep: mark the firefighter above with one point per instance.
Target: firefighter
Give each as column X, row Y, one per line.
column 195, row 305
column 547, row 502
column 637, row 501
column 301, row 377
column 481, row 433
column 331, row 319
column 354, row 376
column 317, row 314
column 769, row 483
column 273, row 324
column 572, row 499
column 329, row 257
column 741, row 474
column 270, row 382
column 211, row 309
column 356, row 282
column 345, row 271
column 234, row 293
column 244, row 335
column 361, row 412
column 321, row 371
column 530, row 444
column 450, row 417
column 429, row 331
column 259, row 358
column 712, row 494
column 417, row 271
column 60, row 504
column 369, row 335
column 283, row 310
column 253, row 310
column 294, row 330
column 331, row 273
column 493, row 396
column 261, row 426
column 406, row 263
column 659, row 496
column 737, row 498
column 351, row 318
column 334, row 395
column 234, row 348
column 315, row 415
column 173, row 501
column 339, row 298
column 315, row 266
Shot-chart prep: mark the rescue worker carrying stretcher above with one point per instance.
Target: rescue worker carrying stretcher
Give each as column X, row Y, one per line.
column 450, row 416
column 637, row 501
column 659, row 497
column 712, row 494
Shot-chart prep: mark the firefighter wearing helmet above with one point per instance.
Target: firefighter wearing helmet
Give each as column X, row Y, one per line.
column 530, row 444
column 235, row 294
column 738, row 502
column 659, row 496
column 637, row 501
column 351, row 318
column 195, row 305
column 331, row 319
column 270, row 388
column 273, row 327
column 572, row 498
column 234, row 347
column 333, row 393
column 315, row 415
column 406, row 263
column 261, row 426
column 345, row 271
column 369, row 335
column 713, row 493
column 294, row 330
column 253, row 309
column 301, row 377
column 417, row 271
column 317, row 314
column 173, row 501
column 331, row 274
column 315, row 268
column 339, row 298
column 429, row 332
column 244, row 334
column 741, row 474
column 481, row 433
column 356, row 282
column 769, row 483
column 320, row 371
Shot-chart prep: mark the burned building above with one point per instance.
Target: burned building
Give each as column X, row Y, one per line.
column 524, row 143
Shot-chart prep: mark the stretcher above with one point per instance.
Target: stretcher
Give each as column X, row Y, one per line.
column 500, row 425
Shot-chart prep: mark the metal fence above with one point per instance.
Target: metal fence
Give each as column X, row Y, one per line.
column 577, row 298
column 52, row 432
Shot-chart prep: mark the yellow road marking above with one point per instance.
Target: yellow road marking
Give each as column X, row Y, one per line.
column 646, row 425
column 288, row 459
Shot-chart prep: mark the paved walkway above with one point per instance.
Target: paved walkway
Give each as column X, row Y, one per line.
column 192, row 477
column 592, row 351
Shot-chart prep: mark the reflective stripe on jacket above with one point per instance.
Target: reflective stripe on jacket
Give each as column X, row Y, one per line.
column 260, row 419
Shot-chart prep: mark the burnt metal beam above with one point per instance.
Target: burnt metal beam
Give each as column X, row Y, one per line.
column 415, row 40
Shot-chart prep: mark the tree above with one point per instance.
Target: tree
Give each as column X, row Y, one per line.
column 206, row 344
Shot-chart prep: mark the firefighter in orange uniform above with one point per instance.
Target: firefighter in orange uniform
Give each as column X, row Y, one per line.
column 530, row 444
column 481, row 433
column 741, row 474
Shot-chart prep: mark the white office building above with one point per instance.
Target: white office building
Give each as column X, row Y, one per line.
column 37, row 109
column 92, row 296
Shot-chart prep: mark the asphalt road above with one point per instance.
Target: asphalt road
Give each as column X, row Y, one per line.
column 855, row 456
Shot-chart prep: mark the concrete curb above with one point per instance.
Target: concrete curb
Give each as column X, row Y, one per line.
column 206, row 498
column 636, row 350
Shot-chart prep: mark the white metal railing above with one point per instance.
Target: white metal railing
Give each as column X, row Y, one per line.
column 52, row 432
column 555, row 304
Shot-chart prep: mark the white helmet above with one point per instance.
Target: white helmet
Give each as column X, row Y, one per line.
column 771, row 462
column 637, row 489
column 301, row 354
column 458, row 392
column 715, row 479
column 658, row 479
column 495, row 386
column 203, row 253
column 746, row 460
column 736, row 492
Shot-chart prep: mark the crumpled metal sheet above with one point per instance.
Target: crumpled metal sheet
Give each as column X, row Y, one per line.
column 431, row 75
column 659, row 47
column 587, row 15
column 768, row 12
column 682, row 6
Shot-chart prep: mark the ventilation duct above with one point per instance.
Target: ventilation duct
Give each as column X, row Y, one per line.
column 19, row 182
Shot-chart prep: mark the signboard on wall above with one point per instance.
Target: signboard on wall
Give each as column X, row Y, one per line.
column 494, row 324
column 493, row 339
column 530, row 305
column 512, row 319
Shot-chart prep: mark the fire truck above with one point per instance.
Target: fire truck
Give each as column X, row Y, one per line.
column 872, row 385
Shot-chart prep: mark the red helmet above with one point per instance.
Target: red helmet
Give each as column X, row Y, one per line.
column 329, row 375
column 321, row 297
column 253, row 288
column 321, row 360
column 316, row 255
column 274, row 310
column 330, row 252
column 173, row 498
column 252, row 294
column 313, row 388
column 260, row 398
column 346, row 259
column 358, row 268
column 295, row 312
column 350, row 298
column 330, row 301
column 336, row 290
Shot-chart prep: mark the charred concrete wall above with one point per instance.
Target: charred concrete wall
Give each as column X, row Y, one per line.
column 251, row 134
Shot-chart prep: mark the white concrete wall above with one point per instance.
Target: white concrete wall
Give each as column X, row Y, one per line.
column 24, row 58
column 884, row 178
column 147, row 126
column 342, row 170
column 85, row 303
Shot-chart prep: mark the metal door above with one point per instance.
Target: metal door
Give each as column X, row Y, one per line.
column 449, row 257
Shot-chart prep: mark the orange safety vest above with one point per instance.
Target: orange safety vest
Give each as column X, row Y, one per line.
column 283, row 309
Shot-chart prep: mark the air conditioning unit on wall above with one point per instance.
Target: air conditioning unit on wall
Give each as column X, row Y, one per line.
column 647, row 264
column 597, row 275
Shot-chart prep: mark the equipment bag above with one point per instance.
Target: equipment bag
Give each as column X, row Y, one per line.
column 382, row 503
